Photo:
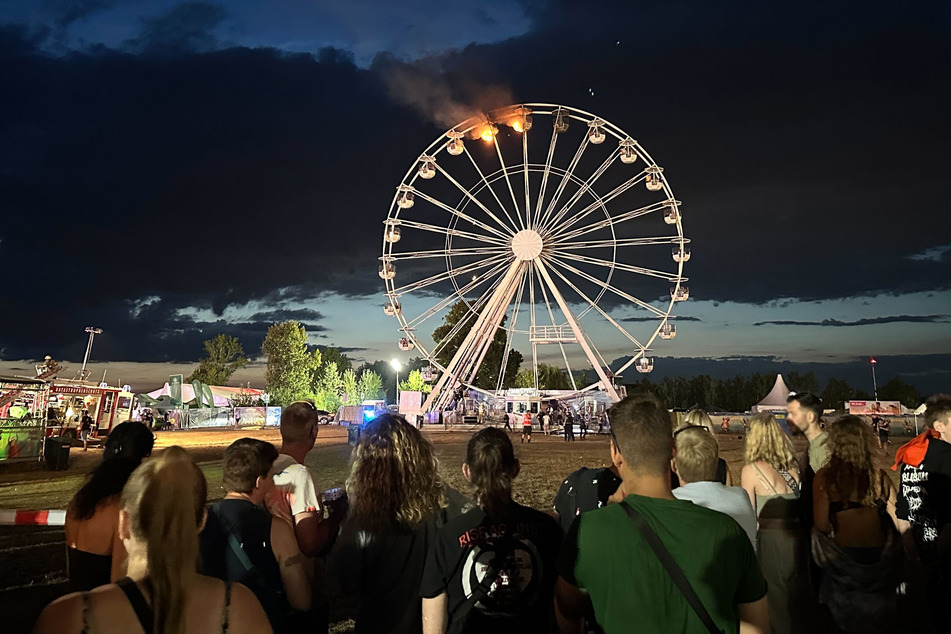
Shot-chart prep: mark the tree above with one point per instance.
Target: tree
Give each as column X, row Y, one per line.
column 551, row 377
column 387, row 375
column 223, row 357
column 524, row 378
column 836, row 393
column 897, row 390
column 414, row 383
column 328, row 388
column 370, row 386
column 802, row 382
column 334, row 355
column 488, row 374
column 290, row 365
column 349, row 386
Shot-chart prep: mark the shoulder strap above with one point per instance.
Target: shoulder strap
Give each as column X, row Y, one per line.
column 667, row 560
column 224, row 613
column 87, row 608
column 764, row 479
column 233, row 543
column 790, row 481
column 142, row 610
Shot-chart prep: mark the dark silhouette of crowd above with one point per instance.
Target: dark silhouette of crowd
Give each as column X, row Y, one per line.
column 660, row 541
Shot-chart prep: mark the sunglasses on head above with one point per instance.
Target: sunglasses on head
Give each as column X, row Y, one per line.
column 690, row 427
column 310, row 403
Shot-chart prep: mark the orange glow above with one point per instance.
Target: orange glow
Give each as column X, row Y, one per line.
column 517, row 125
column 488, row 132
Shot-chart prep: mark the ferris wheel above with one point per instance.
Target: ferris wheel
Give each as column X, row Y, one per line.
column 560, row 240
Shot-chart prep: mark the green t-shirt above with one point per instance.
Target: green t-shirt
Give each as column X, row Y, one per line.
column 819, row 452
column 631, row 591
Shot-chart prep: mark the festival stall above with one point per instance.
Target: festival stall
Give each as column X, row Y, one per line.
column 22, row 421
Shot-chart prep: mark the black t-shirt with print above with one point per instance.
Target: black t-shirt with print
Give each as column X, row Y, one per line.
column 582, row 491
column 521, row 547
column 924, row 497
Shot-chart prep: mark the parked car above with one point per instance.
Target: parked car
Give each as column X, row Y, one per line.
column 324, row 417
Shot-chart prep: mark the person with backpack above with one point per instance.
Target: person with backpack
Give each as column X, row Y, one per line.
column 242, row 542
column 653, row 563
column 491, row 569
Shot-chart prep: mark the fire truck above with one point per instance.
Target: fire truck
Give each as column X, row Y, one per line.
column 69, row 400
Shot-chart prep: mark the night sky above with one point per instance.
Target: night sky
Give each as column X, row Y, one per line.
column 171, row 170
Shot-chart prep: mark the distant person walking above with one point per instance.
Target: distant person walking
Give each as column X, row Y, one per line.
column 527, row 428
column 569, row 427
column 85, row 428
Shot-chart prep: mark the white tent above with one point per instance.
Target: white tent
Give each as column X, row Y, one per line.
column 220, row 393
column 775, row 401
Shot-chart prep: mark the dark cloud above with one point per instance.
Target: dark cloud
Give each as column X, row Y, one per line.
column 673, row 318
column 186, row 28
column 68, row 11
column 809, row 157
column 297, row 314
column 870, row 321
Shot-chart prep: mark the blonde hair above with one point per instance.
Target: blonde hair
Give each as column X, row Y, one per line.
column 165, row 500
column 766, row 442
column 395, row 476
column 697, row 455
column 698, row 418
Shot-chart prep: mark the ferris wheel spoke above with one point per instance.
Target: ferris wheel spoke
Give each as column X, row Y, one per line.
column 452, row 298
column 564, row 182
column 604, row 200
column 528, row 201
column 551, row 315
column 532, row 322
column 508, row 181
column 558, row 262
column 474, row 307
column 438, row 253
column 445, row 275
column 463, row 215
column 488, row 186
column 584, row 188
column 545, row 172
column 640, row 270
column 510, row 331
column 469, row 195
column 459, row 233
column 604, row 314
column 609, row 222
column 620, row 242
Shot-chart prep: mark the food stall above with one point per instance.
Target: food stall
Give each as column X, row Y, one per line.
column 22, row 420
column 107, row 406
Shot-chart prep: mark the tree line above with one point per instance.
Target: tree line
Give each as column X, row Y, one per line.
column 297, row 371
column 740, row 393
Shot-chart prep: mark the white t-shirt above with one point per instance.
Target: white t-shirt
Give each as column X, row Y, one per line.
column 732, row 501
column 295, row 490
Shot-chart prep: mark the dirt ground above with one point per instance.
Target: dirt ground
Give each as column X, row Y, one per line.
column 33, row 559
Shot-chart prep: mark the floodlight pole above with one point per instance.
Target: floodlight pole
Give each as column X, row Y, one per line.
column 873, row 363
column 396, row 367
column 92, row 335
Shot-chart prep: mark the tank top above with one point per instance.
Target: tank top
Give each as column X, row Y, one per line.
column 143, row 612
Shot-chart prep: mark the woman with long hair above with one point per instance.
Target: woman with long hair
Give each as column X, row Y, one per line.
column 95, row 552
column 397, row 501
column 855, row 538
column 162, row 510
column 699, row 418
column 771, row 478
column 492, row 569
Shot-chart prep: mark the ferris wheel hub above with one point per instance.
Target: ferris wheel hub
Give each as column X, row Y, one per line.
column 527, row 245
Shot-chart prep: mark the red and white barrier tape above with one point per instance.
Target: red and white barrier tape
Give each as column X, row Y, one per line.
column 32, row 518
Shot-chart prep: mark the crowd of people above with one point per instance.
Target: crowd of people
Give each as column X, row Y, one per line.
column 660, row 541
